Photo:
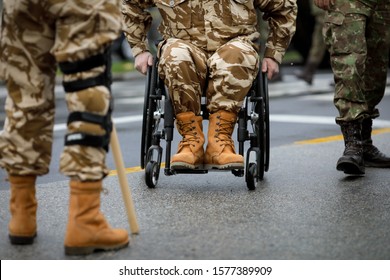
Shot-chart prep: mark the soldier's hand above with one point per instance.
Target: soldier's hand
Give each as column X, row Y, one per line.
column 324, row 4
column 271, row 67
column 142, row 61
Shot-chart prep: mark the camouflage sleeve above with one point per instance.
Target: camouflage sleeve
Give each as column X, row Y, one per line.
column 137, row 21
column 281, row 17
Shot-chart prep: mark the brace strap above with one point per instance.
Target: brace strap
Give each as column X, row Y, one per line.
column 83, row 65
column 104, row 79
column 80, row 138
column 78, row 85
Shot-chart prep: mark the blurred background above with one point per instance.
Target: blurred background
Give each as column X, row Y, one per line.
column 296, row 55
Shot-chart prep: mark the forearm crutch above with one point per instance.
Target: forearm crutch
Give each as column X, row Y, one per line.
column 126, row 194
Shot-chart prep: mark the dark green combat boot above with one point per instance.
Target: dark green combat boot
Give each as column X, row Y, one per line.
column 352, row 161
column 372, row 156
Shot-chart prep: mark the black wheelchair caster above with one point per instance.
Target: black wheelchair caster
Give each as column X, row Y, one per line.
column 251, row 176
column 152, row 172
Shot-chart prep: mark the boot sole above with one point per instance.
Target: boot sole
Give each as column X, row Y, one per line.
column 375, row 164
column 92, row 249
column 183, row 165
column 228, row 166
column 22, row 240
column 350, row 168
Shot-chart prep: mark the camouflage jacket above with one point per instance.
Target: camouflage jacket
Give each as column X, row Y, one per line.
column 209, row 24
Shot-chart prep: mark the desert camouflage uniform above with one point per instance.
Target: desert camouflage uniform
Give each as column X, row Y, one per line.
column 357, row 34
column 210, row 40
column 35, row 35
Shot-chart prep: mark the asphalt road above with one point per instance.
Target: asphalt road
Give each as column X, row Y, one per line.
column 303, row 210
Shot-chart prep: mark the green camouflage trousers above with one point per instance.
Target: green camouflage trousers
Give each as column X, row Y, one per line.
column 358, row 39
column 35, row 36
column 224, row 76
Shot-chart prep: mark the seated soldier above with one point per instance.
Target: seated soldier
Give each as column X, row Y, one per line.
column 209, row 46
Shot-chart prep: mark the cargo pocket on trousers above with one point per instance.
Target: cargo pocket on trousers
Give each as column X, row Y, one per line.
column 345, row 33
column 330, row 20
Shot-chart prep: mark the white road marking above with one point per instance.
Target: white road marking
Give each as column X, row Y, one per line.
column 324, row 120
column 317, row 120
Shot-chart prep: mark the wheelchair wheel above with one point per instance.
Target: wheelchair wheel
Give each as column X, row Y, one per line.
column 260, row 125
column 251, row 176
column 152, row 172
column 265, row 97
column 260, row 131
column 148, row 124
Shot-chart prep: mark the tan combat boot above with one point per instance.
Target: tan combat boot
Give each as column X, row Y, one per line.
column 190, row 151
column 23, row 207
column 88, row 230
column 220, row 152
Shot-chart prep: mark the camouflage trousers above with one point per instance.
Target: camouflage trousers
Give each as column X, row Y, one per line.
column 224, row 77
column 358, row 39
column 35, row 36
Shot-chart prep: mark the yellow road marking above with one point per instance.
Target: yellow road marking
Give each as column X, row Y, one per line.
column 303, row 142
column 130, row 170
column 337, row 137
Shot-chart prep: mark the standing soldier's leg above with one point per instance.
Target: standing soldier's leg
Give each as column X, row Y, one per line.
column 345, row 36
column 183, row 68
column 84, row 35
column 378, row 44
column 233, row 69
column 26, row 140
column 317, row 49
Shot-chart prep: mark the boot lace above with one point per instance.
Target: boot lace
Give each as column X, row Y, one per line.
column 353, row 145
column 190, row 136
column 223, row 132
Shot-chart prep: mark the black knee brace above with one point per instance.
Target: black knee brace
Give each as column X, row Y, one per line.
column 104, row 79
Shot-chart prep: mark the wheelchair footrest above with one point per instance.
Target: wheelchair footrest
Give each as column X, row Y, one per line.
column 236, row 172
column 189, row 171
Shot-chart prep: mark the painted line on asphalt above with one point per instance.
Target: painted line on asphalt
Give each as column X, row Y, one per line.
column 131, row 170
column 289, row 118
column 303, row 142
column 307, row 119
column 337, row 137
column 384, row 126
column 118, row 120
column 127, row 170
column 304, row 119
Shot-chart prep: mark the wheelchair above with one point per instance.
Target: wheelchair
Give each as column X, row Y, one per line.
column 158, row 124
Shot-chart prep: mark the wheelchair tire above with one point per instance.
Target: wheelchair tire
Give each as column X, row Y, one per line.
column 147, row 119
column 265, row 96
column 152, row 172
column 251, row 176
column 144, row 148
column 260, row 132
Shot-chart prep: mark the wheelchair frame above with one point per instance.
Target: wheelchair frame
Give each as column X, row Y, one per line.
column 158, row 106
